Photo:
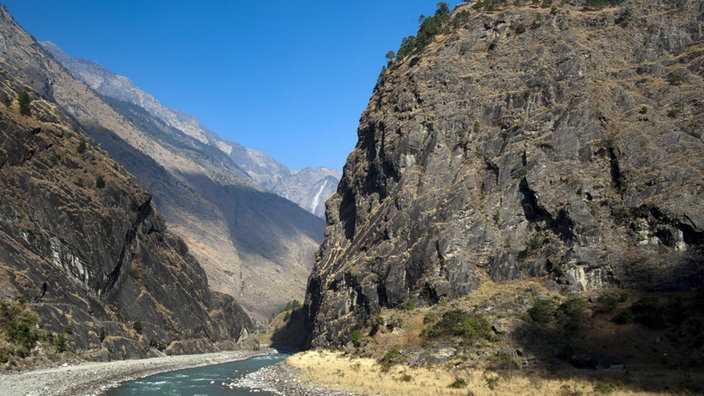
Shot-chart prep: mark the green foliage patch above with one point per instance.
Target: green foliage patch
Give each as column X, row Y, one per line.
column 459, row 323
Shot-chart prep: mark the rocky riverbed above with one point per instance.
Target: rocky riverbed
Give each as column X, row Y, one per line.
column 282, row 379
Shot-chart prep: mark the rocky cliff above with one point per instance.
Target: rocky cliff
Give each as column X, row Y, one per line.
column 562, row 143
column 82, row 245
column 246, row 238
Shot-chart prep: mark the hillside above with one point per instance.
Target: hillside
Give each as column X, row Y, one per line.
column 87, row 266
column 247, row 239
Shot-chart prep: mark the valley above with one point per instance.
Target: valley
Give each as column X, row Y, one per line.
column 522, row 214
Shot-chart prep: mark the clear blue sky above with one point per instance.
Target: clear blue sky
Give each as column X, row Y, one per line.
column 289, row 78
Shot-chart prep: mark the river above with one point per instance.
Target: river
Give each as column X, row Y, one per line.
column 206, row 380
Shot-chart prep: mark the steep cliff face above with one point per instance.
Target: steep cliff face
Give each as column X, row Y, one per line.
column 524, row 142
column 81, row 242
column 246, row 238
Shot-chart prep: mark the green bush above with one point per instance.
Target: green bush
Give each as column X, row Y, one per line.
column 18, row 323
column 392, row 357
column 675, row 79
column 543, row 311
column 572, row 314
column 356, row 338
column 606, row 303
column 649, row 312
column 459, row 383
column 137, row 326
column 459, row 323
column 81, row 146
column 99, row 181
column 24, row 100
column 624, row 317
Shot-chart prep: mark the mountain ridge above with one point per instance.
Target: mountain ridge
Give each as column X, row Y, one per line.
column 263, row 169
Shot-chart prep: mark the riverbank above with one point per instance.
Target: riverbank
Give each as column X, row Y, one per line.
column 94, row 378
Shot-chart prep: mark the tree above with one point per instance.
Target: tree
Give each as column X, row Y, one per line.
column 390, row 55
column 24, row 100
column 443, row 9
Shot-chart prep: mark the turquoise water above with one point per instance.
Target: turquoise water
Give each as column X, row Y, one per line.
column 206, row 380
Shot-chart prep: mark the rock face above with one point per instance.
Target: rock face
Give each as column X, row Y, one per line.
column 82, row 243
column 309, row 187
column 523, row 142
column 253, row 244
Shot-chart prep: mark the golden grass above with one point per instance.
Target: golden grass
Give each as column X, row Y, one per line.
column 336, row 371
column 647, row 372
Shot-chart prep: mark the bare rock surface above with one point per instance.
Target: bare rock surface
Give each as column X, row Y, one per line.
column 523, row 142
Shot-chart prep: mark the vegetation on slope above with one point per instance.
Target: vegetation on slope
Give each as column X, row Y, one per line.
column 520, row 337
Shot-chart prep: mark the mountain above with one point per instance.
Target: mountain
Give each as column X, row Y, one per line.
column 252, row 244
column 309, row 187
column 508, row 142
column 86, row 261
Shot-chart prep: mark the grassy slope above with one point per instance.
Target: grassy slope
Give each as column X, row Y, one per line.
column 523, row 356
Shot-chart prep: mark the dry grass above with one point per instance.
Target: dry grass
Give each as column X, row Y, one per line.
column 337, row 371
column 479, row 365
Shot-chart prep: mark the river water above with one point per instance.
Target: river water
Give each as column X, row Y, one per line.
column 206, row 380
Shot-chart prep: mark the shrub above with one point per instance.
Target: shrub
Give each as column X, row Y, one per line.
column 543, row 311
column 24, row 100
column 137, row 326
column 60, row 343
column 675, row 79
column 673, row 112
column 458, row 323
column 18, row 323
column 644, row 110
column 520, row 29
column 81, row 146
column 356, row 338
column 459, row 383
column 624, row 317
column 99, row 181
column 391, row 357
column 606, row 303
column 572, row 314
column 648, row 312
column 625, row 17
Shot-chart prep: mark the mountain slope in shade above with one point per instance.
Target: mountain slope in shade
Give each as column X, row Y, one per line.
column 252, row 244
column 300, row 186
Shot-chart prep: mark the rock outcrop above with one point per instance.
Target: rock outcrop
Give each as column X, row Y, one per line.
column 83, row 245
column 561, row 143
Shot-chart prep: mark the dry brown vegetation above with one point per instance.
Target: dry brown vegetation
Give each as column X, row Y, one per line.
column 521, row 356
